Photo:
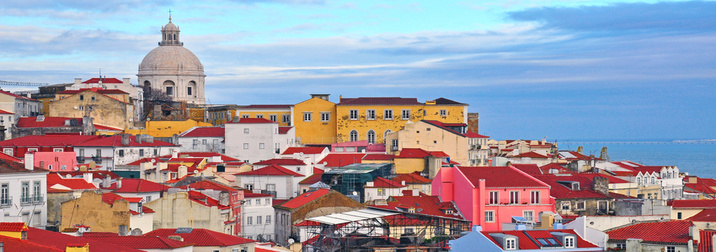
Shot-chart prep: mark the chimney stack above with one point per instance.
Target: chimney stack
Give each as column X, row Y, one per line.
column 30, row 161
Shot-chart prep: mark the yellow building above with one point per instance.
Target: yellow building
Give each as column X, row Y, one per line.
column 316, row 121
column 280, row 113
column 371, row 118
column 219, row 115
column 108, row 107
column 92, row 210
column 166, row 128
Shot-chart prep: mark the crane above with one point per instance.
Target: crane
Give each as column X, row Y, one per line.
column 22, row 84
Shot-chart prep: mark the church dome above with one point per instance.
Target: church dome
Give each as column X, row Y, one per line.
column 171, row 60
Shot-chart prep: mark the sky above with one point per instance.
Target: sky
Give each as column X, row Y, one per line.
column 573, row 69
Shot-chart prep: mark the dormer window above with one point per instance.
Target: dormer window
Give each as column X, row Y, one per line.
column 569, row 242
column 510, row 244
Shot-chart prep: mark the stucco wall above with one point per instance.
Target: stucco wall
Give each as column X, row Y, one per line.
column 91, row 211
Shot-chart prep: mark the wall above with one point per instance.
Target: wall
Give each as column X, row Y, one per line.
column 344, row 125
column 177, row 210
column 54, row 207
column 91, row 211
column 254, row 210
column 258, row 133
column 409, row 165
column 315, row 131
column 105, row 110
column 286, row 186
column 143, row 222
column 606, row 222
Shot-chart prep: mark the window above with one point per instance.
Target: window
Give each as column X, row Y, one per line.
column 565, row 205
column 262, row 146
column 25, row 196
column 489, row 216
column 653, row 180
column 528, row 215
column 669, row 248
column 246, row 130
column 381, row 192
column 121, row 153
column 203, row 141
column 388, row 114
column 155, row 152
column 638, row 180
column 371, row 137
column 249, row 220
column 259, row 116
column 325, row 116
column 514, row 197
column 7, row 151
column 82, row 97
column 57, row 150
column 5, row 195
column 141, row 152
column 258, row 220
column 405, row 114
column 353, row 136
column 443, row 112
column 273, row 118
column 246, row 146
column 245, row 116
column 510, row 244
column 581, row 205
column 31, row 149
column 534, row 197
column 621, row 246
column 569, row 242
column 249, row 187
column 268, row 219
column 99, row 152
column 370, row 114
column 268, row 201
column 148, row 198
column 678, row 216
column 353, row 114
column 307, row 116
column 494, row 198
column 170, row 91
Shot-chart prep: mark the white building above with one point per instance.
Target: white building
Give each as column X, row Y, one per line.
column 382, row 189
column 272, row 179
column 296, row 165
column 258, row 213
column 111, row 151
column 202, row 139
column 312, row 155
column 23, row 191
column 7, row 120
column 19, row 105
column 256, row 139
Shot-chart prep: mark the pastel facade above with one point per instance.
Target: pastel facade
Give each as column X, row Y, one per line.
column 315, row 120
column 491, row 196
column 197, row 211
column 256, row 139
column 166, row 129
column 23, row 191
column 106, row 107
column 258, row 217
column 202, row 139
column 272, row 179
column 136, row 94
column 54, row 161
column 106, row 212
column 19, row 105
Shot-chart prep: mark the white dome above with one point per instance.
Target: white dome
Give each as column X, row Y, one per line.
column 171, row 60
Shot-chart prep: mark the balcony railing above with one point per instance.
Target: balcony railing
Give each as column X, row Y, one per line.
column 6, row 202
column 97, row 160
column 26, row 200
column 34, row 199
column 80, row 159
column 269, row 192
column 394, row 148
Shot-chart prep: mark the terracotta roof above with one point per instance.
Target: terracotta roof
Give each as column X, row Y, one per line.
column 96, row 90
column 208, row 184
column 423, row 204
column 281, row 161
column 253, row 120
column 103, row 80
column 55, row 181
column 471, row 134
column 378, row 101
column 116, row 140
column 666, row 232
column 249, row 194
column 135, row 185
column 702, row 188
column 111, row 197
column 31, row 122
column 573, row 155
column 224, row 158
column 528, row 239
column 16, row 96
column 142, row 242
column 284, row 129
column 61, row 241
column 48, row 140
column 380, row 182
column 304, row 198
column 304, row 150
column 9, row 158
column 704, row 203
column 532, row 154
column 444, row 101
column 415, row 153
column 342, row 159
column 706, row 215
column 201, row 198
column 204, row 132
column 202, row 237
column 6, row 112
column 532, row 169
column 15, row 167
column 561, row 191
column 412, row 178
column 95, row 174
column 271, row 170
column 14, row 244
column 13, row 226
column 500, row 176
column 378, row 156
column 313, row 178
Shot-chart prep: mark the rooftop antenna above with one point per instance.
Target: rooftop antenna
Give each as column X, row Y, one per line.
column 170, row 15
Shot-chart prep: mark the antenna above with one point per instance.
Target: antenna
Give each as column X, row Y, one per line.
column 170, row 15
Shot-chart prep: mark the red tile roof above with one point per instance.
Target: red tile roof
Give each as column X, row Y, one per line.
column 106, row 128
column 304, row 198
column 701, row 188
column 528, row 239
column 445, row 126
column 48, row 140
column 135, row 185
column 141, row 242
column 5, row 112
column 16, row 96
column 699, row 204
column 284, row 129
column 103, row 80
column 249, row 194
column 706, row 215
column 111, row 197
column 96, row 90
column 532, row 154
column 378, row 101
column 281, row 161
column 531, row 169
column 560, row 191
column 304, row 150
column 649, row 170
column 204, row 132
column 412, row 178
column 253, row 120
column 271, row 170
column 669, row 232
column 71, row 183
column 95, row 174
column 9, row 158
column 575, row 156
column 313, row 178
column 116, row 140
column 14, row 244
column 61, row 241
column 500, row 176
column 423, row 204
column 378, row 156
column 13, row 226
column 208, row 184
column 342, row 159
column 31, row 122
column 224, row 158
column 380, row 182
column 471, row 134
column 205, row 200
column 202, row 237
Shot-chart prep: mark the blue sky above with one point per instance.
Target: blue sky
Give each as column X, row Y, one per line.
column 557, row 69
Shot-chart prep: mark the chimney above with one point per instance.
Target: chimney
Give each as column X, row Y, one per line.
column 601, row 185
column 30, row 161
column 175, row 153
column 106, row 182
column 78, row 81
column 369, row 184
column 40, row 118
column 87, row 176
column 125, row 80
column 473, row 122
column 176, row 238
column 125, row 139
column 138, row 138
column 119, row 183
column 182, row 171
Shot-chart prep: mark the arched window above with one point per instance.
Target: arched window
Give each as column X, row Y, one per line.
column 371, row 137
column 386, row 134
column 354, row 135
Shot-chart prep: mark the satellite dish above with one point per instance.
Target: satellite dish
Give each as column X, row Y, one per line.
column 291, row 241
column 77, row 168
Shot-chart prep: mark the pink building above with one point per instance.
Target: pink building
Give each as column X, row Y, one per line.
column 55, row 161
column 491, row 196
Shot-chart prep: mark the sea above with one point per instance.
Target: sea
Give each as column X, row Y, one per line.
column 696, row 157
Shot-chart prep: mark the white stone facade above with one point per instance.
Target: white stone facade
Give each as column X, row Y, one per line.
column 258, row 221
column 254, row 142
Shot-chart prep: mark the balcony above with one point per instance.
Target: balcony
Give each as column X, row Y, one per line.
column 80, row 160
column 6, row 202
column 269, row 192
column 97, row 160
column 394, row 148
column 33, row 200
